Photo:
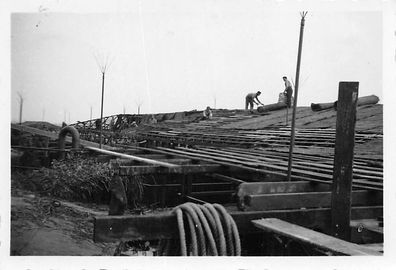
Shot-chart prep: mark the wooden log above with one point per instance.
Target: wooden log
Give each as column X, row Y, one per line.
column 306, row 200
column 164, row 225
column 271, row 107
column 322, row 106
column 343, row 159
column 367, row 100
column 316, row 239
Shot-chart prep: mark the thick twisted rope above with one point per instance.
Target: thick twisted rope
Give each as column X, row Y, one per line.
column 206, row 225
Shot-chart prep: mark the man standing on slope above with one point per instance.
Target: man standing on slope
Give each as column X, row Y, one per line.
column 250, row 99
column 288, row 91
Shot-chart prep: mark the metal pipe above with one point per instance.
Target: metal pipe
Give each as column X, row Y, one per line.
column 292, row 135
column 62, row 138
column 146, row 160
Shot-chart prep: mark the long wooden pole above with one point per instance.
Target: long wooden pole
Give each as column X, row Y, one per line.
column 292, row 135
column 101, row 111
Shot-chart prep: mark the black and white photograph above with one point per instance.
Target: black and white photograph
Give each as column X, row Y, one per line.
column 153, row 134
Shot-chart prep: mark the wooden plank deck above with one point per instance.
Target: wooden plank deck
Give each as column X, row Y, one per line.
column 316, row 239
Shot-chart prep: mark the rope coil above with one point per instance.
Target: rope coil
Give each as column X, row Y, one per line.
column 204, row 230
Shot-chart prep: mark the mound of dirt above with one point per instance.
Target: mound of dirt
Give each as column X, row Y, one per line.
column 44, row 226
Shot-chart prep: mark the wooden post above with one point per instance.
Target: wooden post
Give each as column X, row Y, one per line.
column 343, row 160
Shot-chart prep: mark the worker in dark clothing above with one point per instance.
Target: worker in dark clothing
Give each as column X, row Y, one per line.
column 288, row 91
column 207, row 114
column 98, row 123
column 252, row 98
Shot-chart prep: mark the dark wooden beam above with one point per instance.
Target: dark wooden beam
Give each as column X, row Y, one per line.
column 343, row 159
column 256, row 188
column 306, row 200
column 182, row 169
column 164, row 225
column 262, row 188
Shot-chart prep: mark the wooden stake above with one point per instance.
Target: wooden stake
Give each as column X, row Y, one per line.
column 343, row 159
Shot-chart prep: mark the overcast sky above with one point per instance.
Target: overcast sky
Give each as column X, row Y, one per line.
column 184, row 55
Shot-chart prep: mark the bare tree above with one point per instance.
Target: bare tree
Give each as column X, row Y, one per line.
column 103, row 64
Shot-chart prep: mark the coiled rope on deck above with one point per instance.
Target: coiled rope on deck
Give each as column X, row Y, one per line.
column 204, row 230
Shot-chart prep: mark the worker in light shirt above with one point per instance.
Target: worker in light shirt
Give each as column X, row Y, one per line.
column 252, row 98
column 288, row 91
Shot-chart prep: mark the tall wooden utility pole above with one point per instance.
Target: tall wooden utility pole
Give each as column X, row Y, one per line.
column 101, row 110
column 292, row 133
column 343, row 160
